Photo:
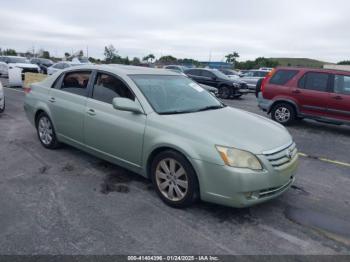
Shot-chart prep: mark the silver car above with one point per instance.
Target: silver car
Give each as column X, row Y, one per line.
column 253, row 76
column 165, row 127
column 60, row 66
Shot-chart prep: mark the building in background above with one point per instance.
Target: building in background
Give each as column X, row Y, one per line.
column 217, row 65
column 337, row 67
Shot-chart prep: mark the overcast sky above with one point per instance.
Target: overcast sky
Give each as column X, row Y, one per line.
column 183, row 28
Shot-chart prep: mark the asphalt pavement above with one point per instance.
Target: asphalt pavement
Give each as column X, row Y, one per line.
column 67, row 202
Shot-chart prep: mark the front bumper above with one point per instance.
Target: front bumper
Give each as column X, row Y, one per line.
column 237, row 187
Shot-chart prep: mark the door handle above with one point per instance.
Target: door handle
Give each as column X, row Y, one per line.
column 52, row 100
column 296, row 91
column 337, row 97
column 91, row 112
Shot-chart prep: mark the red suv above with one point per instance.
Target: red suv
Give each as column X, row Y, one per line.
column 294, row 93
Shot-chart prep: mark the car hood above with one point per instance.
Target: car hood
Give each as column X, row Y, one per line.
column 23, row 65
column 230, row 127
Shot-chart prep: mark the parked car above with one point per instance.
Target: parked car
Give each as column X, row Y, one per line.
column 226, row 86
column 20, row 62
column 269, row 69
column 2, row 99
column 295, row 93
column 252, row 77
column 43, row 63
column 165, row 127
column 60, row 66
column 176, row 68
column 231, row 73
column 4, row 70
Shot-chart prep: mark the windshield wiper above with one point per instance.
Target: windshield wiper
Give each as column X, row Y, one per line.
column 176, row 112
column 210, row 108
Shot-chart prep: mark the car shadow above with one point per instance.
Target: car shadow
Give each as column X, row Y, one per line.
column 321, row 128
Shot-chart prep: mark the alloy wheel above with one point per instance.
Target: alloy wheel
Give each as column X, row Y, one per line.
column 171, row 179
column 282, row 114
column 45, row 130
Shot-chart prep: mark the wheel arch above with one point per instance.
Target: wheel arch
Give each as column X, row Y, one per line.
column 163, row 148
column 287, row 101
column 42, row 108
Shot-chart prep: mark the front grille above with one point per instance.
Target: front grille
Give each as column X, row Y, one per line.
column 283, row 156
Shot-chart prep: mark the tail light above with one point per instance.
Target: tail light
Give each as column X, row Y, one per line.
column 27, row 90
column 267, row 77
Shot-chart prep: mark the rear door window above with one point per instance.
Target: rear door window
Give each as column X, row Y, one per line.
column 281, row 77
column 207, row 74
column 342, row 84
column 315, row 81
column 76, row 82
column 193, row 72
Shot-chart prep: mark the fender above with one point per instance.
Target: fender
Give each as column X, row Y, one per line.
column 284, row 99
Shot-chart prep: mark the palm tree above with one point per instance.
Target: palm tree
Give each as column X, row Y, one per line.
column 231, row 58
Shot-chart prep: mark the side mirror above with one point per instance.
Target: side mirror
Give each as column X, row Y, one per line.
column 125, row 104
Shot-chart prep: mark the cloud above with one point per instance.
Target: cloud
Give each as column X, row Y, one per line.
column 196, row 28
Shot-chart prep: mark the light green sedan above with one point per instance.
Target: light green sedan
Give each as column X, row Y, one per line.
column 165, row 127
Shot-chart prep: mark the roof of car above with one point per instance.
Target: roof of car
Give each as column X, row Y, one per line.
column 126, row 69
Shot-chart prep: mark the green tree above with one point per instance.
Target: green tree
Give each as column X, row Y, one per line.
column 189, row 62
column 10, row 52
column 167, row 59
column 111, row 54
column 257, row 63
column 232, row 58
column 148, row 58
column 346, row 62
column 46, row 54
column 81, row 53
column 136, row 61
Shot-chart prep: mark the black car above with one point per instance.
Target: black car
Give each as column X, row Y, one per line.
column 226, row 86
column 43, row 63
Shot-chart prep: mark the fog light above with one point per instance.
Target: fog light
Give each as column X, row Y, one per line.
column 252, row 195
column 248, row 195
column 255, row 195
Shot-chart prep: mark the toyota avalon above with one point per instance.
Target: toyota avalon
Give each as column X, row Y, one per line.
column 165, row 127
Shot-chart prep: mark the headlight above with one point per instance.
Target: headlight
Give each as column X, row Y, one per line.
column 239, row 158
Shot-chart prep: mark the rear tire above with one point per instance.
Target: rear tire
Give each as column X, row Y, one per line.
column 258, row 87
column 174, row 179
column 3, row 108
column 46, row 132
column 224, row 92
column 283, row 113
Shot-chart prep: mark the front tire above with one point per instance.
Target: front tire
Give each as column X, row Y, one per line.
column 174, row 179
column 46, row 132
column 224, row 92
column 283, row 113
column 2, row 109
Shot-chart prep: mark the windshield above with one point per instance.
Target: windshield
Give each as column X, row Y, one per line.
column 220, row 74
column 45, row 61
column 18, row 60
column 169, row 94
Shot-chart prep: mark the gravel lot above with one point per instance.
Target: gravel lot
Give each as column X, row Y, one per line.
column 68, row 202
